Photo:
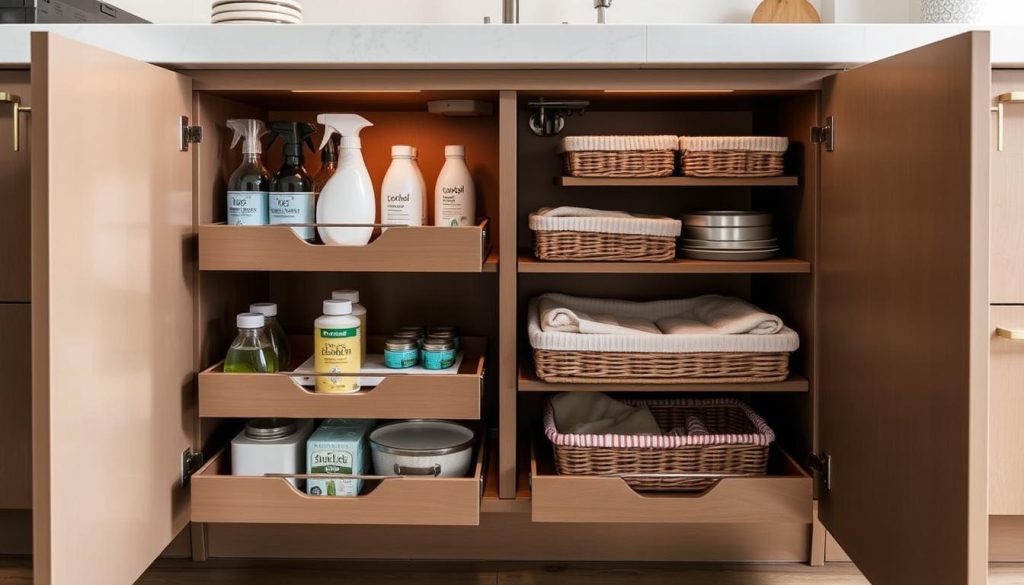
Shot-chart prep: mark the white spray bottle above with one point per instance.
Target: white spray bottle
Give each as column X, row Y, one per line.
column 348, row 197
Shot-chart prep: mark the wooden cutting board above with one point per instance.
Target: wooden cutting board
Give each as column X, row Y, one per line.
column 791, row 11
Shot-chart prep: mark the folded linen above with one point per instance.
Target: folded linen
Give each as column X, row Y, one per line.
column 718, row 315
column 582, row 219
column 557, row 317
column 595, row 413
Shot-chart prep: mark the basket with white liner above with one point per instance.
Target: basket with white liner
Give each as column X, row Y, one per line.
column 708, row 339
column 690, row 445
column 619, row 156
column 581, row 234
column 733, row 156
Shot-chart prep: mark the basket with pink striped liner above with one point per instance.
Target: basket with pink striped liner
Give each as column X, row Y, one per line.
column 718, row 437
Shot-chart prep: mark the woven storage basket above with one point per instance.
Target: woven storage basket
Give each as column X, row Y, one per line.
column 653, row 359
column 737, row 443
column 570, row 234
column 619, row 156
column 732, row 156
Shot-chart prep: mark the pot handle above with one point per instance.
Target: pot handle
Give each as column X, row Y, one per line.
column 434, row 470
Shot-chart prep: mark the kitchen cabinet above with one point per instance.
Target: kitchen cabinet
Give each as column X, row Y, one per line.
column 890, row 396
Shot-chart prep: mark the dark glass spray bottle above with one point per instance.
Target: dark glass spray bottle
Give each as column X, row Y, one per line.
column 292, row 197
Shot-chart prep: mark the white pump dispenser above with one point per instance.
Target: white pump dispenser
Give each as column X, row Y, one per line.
column 348, row 197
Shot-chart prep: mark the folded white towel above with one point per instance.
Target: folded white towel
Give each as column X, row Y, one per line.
column 594, row 413
column 713, row 314
column 582, row 219
column 557, row 317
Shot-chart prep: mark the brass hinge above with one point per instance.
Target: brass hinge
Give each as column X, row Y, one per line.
column 825, row 134
column 821, row 465
column 189, row 134
column 190, row 463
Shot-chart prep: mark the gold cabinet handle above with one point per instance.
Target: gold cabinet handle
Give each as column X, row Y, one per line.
column 17, row 109
column 1014, row 97
column 1010, row 333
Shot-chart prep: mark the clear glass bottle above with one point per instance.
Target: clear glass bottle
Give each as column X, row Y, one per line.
column 251, row 351
column 278, row 338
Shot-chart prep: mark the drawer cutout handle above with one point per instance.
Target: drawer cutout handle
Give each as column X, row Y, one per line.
column 1014, row 334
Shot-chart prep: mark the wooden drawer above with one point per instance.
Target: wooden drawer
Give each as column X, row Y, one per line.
column 1006, row 410
column 784, row 496
column 399, row 395
column 218, row 496
column 408, row 249
column 1007, row 206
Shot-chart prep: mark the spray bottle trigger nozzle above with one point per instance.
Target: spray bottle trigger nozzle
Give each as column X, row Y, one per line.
column 328, row 134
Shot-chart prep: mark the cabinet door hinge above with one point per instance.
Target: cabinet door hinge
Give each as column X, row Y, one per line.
column 825, row 134
column 189, row 134
column 821, row 465
column 190, row 463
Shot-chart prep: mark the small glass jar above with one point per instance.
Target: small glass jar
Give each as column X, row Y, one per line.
column 438, row 353
column 401, row 352
column 447, row 331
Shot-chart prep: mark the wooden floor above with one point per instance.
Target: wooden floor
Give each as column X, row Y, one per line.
column 17, row 571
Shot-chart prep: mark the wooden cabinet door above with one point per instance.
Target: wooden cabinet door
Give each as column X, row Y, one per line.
column 903, row 314
column 1006, row 414
column 15, row 251
column 112, row 280
column 1007, row 264
column 16, row 407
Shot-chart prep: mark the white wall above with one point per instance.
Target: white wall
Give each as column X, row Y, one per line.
column 556, row 11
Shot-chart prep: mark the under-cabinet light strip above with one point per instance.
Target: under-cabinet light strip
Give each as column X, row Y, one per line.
column 355, row 91
column 669, row 91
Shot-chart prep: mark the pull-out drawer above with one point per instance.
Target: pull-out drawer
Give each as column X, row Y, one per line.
column 399, row 395
column 399, row 249
column 1006, row 410
column 783, row 496
column 218, row 496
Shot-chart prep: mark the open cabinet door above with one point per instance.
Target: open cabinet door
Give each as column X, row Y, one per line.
column 112, row 319
column 903, row 277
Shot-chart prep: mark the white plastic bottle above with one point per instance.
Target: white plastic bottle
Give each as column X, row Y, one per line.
column 402, row 193
column 348, row 197
column 455, row 194
column 357, row 310
column 423, row 184
column 336, row 349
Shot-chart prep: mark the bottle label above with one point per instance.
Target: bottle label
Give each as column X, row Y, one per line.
column 294, row 208
column 451, row 210
column 401, row 209
column 401, row 358
column 438, row 360
column 337, row 351
column 247, row 208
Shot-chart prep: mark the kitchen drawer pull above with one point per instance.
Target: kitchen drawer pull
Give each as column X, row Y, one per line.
column 1010, row 333
column 17, row 109
column 1015, row 97
column 433, row 471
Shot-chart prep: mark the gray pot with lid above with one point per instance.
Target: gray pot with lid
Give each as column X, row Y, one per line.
column 422, row 448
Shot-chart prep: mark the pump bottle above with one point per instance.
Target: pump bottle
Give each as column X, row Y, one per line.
column 292, row 199
column 348, row 197
column 249, row 184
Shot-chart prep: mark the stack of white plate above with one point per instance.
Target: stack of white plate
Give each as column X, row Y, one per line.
column 257, row 12
column 728, row 235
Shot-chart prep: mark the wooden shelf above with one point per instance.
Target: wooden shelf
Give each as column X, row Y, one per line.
column 397, row 396
column 530, row 265
column 783, row 496
column 529, row 382
column 407, row 249
column 677, row 182
column 218, row 496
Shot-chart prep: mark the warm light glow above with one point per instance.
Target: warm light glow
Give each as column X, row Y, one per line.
column 355, row 91
column 669, row 90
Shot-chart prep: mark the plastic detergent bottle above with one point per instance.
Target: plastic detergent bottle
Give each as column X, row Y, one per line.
column 336, row 348
column 251, row 351
column 455, row 193
column 249, row 184
column 402, row 193
column 348, row 197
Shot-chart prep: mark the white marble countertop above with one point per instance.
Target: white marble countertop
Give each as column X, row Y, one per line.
column 508, row 46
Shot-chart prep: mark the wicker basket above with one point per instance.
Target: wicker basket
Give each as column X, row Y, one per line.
column 733, row 156
column 578, row 234
column 736, row 443
column 595, row 367
column 619, row 156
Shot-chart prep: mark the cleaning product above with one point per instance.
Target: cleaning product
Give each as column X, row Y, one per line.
column 278, row 338
column 338, row 447
column 251, row 351
column 357, row 310
column 454, row 194
column 337, row 348
column 248, row 185
column 423, row 184
column 328, row 164
column 292, row 199
column 348, row 198
column 401, row 195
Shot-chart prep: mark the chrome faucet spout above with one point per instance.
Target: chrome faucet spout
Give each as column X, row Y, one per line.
column 602, row 7
column 510, row 11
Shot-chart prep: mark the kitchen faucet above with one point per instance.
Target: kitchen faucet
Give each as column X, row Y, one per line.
column 602, row 6
column 510, row 10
